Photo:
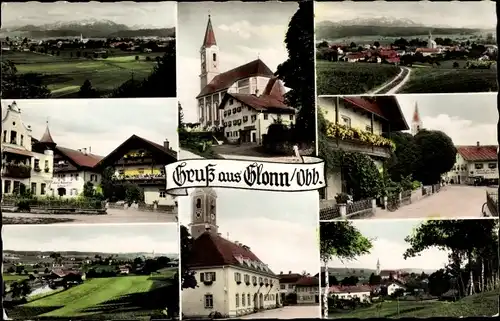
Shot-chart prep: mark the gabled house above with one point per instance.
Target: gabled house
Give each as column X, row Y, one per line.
column 474, row 163
column 308, row 291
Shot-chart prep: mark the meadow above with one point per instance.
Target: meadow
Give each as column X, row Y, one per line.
column 345, row 78
column 64, row 74
column 483, row 304
column 122, row 297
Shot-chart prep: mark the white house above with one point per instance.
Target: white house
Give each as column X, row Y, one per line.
column 253, row 96
column 231, row 279
column 353, row 115
column 23, row 166
column 393, row 287
column 349, row 292
column 476, row 162
column 287, row 283
column 308, row 291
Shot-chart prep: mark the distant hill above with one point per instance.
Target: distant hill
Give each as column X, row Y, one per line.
column 90, row 28
column 86, row 254
column 384, row 27
column 366, row 272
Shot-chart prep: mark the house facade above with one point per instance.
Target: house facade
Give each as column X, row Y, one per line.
column 308, row 291
column 362, row 292
column 242, row 101
column 393, row 287
column 142, row 162
column 287, row 283
column 474, row 163
column 350, row 120
column 23, row 167
column 231, row 279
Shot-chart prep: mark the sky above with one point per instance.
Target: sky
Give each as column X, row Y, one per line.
column 466, row 118
column 102, row 124
column 387, row 237
column 471, row 14
column 243, row 31
column 280, row 228
column 112, row 238
column 131, row 14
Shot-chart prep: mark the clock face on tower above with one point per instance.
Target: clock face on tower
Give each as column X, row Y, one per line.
column 212, row 216
column 198, row 213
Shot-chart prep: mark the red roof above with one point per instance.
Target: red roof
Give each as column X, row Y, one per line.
column 226, row 79
column 478, row 153
column 307, row 281
column 209, row 40
column 427, row 50
column 350, row 289
column 275, row 89
column 393, row 59
column 388, row 53
column 211, row 249
column 416, row 115
column 61, row 273
column 261, row 103
column 289, row 278
column 80, row 158
column 367, row 105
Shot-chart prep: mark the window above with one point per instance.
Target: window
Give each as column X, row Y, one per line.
column 37, row 164
column 76, row 175
column 6, row 187
column 238, row 109
column 209, row 301
column 260, row 280
column 248, row 300
column 478, row 166
column 243, row 299
column 46, row 165
column 282, row 286
column 290, row 286
column 237, row 277
column 42, row 188
column 492, row 165
column 17, row 187
column 163, row 193
column 234, row 110
column 247, row 278
column 231, row 101
column 254, row 118
column 13, row 137
column 254, row 279
column 245, row 119
column 237, row 296
column 212, row 207
column 4, row 136
column 266, row 116
column 369, row 128
column 291, row 117
column 265, row 281
column 347, row 121
column 214, row 57
column 198, row 203
column 207, row 277
column 33, row 188
column 22, row 140
column 229, row 112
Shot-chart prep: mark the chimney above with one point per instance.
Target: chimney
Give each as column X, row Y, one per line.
column 289, row 272
column 85, row 151
column 281, row 272
column 166, row 144
column 257, row 92
column 477, row 144
column 90, row 149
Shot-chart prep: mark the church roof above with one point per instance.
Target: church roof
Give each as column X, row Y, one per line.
column 478, row 153
column 209, row 39
column 211, row 249
column 416, row 115
column 226, row 79
column 47, row 138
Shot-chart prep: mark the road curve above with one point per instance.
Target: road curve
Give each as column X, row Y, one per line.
column 394, row 90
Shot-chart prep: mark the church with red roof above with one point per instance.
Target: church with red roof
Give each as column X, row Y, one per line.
column 231, row 279
column 242, row 101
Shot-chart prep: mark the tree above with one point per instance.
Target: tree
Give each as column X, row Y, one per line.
column 24, row 86
column 403, row 159
column 88, row 190
column 180, row 116
column 374, row 279
column 376, row 44
column 363, row 179
column 436, row 156
column 439, row 282
column 11, row 269
column 343, row 241
column 46, row 271
column 349, row 281
column 78, row 54
column 188, row 279
column 456, row 65
column 297, row 72
column 87, row 91
column 136, row 58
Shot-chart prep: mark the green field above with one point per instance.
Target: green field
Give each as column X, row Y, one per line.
column 474, row 306
column 64, row 75
column 8, row 278
column 345, row 78
column 446, row 79
column 126, row 297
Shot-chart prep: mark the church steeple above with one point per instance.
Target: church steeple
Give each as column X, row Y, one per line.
column 378, row 267
column 204, row 212
column 209, row 40
column 416, row 122
column 209, row 57
column 47, row 138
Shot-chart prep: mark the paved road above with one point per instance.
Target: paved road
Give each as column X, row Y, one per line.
column 288, row 312
column 113, row 216
column 453, row 201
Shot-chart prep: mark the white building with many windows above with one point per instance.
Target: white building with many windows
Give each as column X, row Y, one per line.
column 474, row 164
column 23, row 167
column 231, row 279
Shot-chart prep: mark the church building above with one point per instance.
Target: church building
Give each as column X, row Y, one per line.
column 243, row 101
column 231, row 279
column 416, row 122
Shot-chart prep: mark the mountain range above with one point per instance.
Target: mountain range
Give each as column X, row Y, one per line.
column 89, row 28
column 86, row 254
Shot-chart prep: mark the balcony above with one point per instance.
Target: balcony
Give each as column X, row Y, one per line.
column 16, row 170
column 143, row 178
column 358, row 141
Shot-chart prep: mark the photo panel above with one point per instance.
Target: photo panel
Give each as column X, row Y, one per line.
column 249, row 254
column 408, row 48
column 90, row 272
column 409, row 268
column 88, row 50
column 88, row 160
column 409, row 156
column 246, row 85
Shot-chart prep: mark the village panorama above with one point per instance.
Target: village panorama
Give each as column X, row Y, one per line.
column 402, row 54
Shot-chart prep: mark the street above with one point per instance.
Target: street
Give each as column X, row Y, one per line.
column 453, row 201
column 112, row 216
column 288, row 312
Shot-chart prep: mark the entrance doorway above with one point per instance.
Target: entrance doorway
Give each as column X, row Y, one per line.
column 61, row 191
column 316, row 298
column 254, row 137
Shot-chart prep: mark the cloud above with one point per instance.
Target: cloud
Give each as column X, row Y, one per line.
column 245, row 29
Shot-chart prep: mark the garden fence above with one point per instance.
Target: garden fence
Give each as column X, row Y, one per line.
column 406, row 197
column 329, row 213
column 74, row 204
column 360, row 208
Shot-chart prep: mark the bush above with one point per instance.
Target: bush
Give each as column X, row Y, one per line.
column 342, row 198
column 416, row 185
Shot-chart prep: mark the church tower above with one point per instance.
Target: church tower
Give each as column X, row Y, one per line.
column 204, row 212
column 416, row 122
column 378, row 267
column 209, row 56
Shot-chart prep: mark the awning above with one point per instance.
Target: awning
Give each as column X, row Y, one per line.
column 17, row 151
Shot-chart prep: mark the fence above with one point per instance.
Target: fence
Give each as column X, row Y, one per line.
column 406, row 197
column 492, row 203
column 358, row 209
column 143, row 207
column 53, row 204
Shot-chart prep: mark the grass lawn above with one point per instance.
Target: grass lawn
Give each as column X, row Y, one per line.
column 124, row 297
column 64, row 75
column 8, row 278
column 351, row 78
column 446, row 79
column 485, row 304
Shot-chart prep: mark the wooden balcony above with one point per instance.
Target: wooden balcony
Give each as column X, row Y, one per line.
column 16, row 171
column 357, row 146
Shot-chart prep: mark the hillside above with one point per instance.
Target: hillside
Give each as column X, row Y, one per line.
column 85, row 254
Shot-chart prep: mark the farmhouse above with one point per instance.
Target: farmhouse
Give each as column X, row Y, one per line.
column 474, row 164
column 358, row 118
column 245, row 99
column 307, row 288
column 231, row 279
column 393, row 287
column 143, row 162
column 349, row 292
column 21, row 165
column 288, row 283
